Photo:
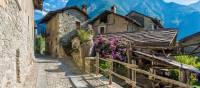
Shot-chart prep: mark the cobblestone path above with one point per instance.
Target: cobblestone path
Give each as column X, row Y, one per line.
column 50, row 72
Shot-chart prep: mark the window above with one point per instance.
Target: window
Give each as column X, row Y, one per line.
column 104, row 19
column 78, row 25
column 155, row 26
column 102, row 30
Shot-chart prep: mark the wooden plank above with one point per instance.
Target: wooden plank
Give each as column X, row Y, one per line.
column 106, row 59
column 133, row 75
column 104, row 70
column 127, row 80
column 97, row 64
column 134, row 68
column 173, row 40
column 122, row 63
column 170, row 61
column 125, row 64
column 110, row 71
column 162, row 78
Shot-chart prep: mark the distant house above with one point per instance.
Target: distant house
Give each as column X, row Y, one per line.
column 111, row 22
column 191, row 44
column 147, row 22
column 59, row 23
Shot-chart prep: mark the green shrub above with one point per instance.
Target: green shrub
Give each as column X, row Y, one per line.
column 188, row 60
column 174, row 74
column 40, row 44
column 83, row 35
column 104, row 65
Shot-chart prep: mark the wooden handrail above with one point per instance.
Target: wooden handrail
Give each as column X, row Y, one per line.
column 122, row 63
column 134, row 67
column 161, row 78
column 129, row 81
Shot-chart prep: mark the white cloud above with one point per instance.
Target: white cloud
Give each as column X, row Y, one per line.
column 41, row 12
column 64, row 1
column 44, row 13
column 38, row 11
column 183, row 2
column 46, row 4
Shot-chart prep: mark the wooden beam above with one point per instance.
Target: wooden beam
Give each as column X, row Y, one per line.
column 196, row 48
column 131, row 82
column 162, row 78
column 97, row 64
column 122, row 63
column 110, row 71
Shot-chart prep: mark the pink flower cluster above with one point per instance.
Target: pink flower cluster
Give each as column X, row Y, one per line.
column 110, row 46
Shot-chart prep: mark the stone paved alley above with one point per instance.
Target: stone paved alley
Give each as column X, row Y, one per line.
column 50, row 72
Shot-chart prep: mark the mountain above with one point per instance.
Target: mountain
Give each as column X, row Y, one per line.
column 196, row 6
column 184, row 18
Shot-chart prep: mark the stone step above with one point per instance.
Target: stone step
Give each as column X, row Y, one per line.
column 78, row 82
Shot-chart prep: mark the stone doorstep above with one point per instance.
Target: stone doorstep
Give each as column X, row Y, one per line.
column 79, row 82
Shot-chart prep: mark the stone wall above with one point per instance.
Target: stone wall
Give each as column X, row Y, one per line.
column 52, row 42
column 90, row 64
column 148, row 24
column 60, row 26
column 115, row 24
column 81, row 57
column 16, row 41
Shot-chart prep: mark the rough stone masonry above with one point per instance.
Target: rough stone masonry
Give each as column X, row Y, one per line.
column 16, row 41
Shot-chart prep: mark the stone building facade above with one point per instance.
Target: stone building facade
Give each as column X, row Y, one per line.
column 111, row 22
column 16, row 41
column 58, row 24
column 147, row 22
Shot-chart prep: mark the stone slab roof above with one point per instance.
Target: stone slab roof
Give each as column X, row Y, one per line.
column 158, row 38
column 53, row 13
column 190, row 37
column 107, row 12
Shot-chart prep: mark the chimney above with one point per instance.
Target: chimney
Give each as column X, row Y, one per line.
column 84, row 8
column 114, row 9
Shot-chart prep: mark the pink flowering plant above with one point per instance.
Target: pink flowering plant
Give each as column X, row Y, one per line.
column 113, row 46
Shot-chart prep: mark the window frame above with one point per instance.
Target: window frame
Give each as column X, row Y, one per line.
column 99, row 29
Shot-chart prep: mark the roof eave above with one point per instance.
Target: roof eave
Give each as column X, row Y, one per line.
column 38, row 4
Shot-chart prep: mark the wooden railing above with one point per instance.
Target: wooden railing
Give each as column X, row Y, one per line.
column 134, row 68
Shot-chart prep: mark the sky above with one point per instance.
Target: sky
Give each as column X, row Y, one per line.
column 183, row 2
column 50, row 5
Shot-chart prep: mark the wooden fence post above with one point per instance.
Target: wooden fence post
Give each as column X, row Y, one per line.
column 133, row 72
column 129, row 55
column 97, row 64
column 110, row 70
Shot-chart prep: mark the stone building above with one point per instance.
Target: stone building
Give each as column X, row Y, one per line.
column 147, row 22
column 59, row 23
column 16, row 40
column 111, row 22
column 191, row 44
